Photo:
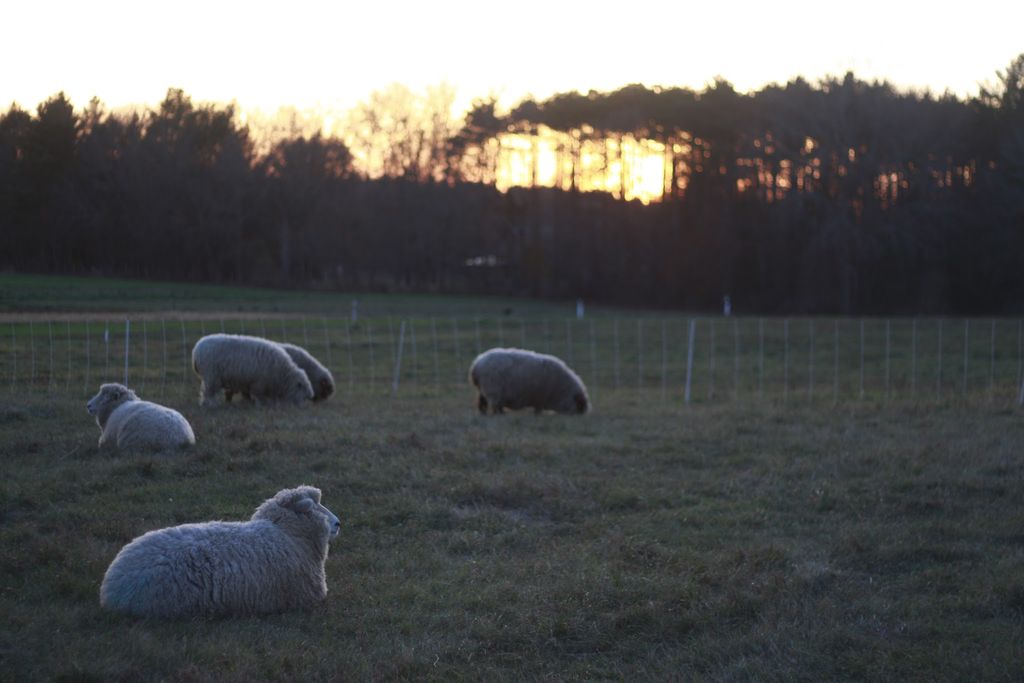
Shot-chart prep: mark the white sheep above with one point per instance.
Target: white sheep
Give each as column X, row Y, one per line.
column 272, row 563
column 252, row 366
column 319, row 376
column 128, row 423
column 517, row 378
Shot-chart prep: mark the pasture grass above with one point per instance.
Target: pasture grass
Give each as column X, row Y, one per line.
column 642, row 542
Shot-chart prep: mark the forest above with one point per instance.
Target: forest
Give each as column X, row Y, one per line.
column 837, row 197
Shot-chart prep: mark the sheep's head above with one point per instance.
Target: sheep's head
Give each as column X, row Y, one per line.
column 300, row 389
column 299, row 512
column 109, row 397
column 324, row 386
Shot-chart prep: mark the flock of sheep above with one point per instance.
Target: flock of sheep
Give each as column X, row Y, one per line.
column 275, row 561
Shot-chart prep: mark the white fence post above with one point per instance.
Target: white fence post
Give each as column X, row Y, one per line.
column 163, row 350
column 49, row 379
column 664, row 361
column 735, row 359
column 711, row 360
column 810, row 361
column 835, row 362
column 862, row 359
column 88, row 356
column 398, row 359
column 127, row 334
column 760, row 359
column 415, row 353
column 913, row 360
column 458, row 359
column 967, row 345
column 615, row 344
column 785, row 360
column 184, row 357
column 689, row 358
column 887, row 338
column 640, row 354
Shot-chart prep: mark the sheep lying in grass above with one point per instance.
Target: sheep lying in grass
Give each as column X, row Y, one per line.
column 517, row 378
column 255, row 367
column 128, row 423
column 272, row 563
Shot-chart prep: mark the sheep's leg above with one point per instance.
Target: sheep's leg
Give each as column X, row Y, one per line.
column 481, row 404
column 228, row 395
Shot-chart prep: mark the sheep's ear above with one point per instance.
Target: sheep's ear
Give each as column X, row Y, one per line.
column 303, row 505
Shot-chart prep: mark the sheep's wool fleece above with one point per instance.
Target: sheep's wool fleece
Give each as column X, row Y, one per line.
column 273, row 562
column 252, row 366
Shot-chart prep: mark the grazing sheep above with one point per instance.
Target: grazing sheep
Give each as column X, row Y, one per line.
column 255, row 367
column 517, row 378
column 272, row 563
column 319, row 376
column 128, row 423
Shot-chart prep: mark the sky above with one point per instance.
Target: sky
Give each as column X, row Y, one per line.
column 329, row 56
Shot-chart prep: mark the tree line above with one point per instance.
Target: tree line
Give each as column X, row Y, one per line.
column 842, row 196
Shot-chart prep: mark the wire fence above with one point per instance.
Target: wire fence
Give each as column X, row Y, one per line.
column 815, row 361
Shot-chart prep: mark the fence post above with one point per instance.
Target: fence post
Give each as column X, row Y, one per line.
column 127, row 334
column 862, row 359
column 184, row 358
column 689, row 358
column 437, row 367
column 785, row 360
column 327, row 343
column 32, row 350
column 369, row 344
column 615, row 344
column 640, row 354
column 163, row 350
column 938, row 373
column 145, row 357
column 735, row 359
column 593, row 359
column 664, row 360
column 568, row 341
column 398, row 359
column 14, row 357
column 835, row 362
column 305, row 335
column 810, row 361
column 711, row 360
column 992, row 364
column 967, row 345
column 348, row 345
column 67, row 383
column 887, row 337
column 913, row 360
column 415, row 353
column 455, row 336
column 760, row 359
column 49, row 379
column 88, row 356
column 106, row 350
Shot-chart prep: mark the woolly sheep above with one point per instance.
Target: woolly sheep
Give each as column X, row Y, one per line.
column 518, row 378
column 272, row 563
column 320, row 378
column 253, row 366
column 128, row 423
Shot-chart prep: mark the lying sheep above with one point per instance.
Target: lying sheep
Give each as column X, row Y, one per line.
column 272, row 563
column 320, row 378
column 517, row 378
column 255, row 367
column 128, row 423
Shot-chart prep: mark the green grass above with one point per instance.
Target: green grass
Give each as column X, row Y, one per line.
column 718, row 542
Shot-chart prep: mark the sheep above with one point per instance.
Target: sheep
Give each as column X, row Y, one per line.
column 128, row 423
column 253, row 366
column 319, row 376
column 518, row 378
column 272, row 563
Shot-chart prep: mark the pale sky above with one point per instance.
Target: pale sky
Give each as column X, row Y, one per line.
column 332, row 55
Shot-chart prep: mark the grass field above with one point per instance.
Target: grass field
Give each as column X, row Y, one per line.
column 762, row 532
